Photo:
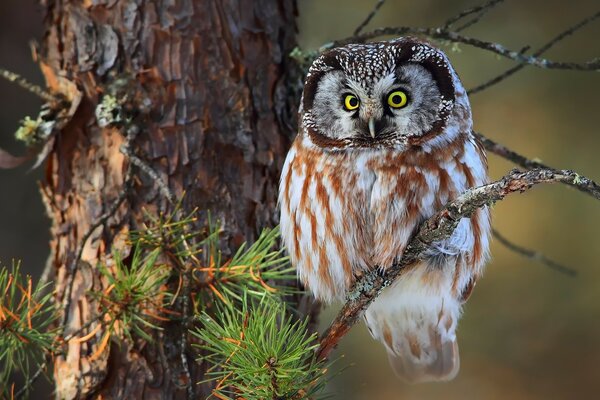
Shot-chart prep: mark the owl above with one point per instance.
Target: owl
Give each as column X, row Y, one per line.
column 384, row 143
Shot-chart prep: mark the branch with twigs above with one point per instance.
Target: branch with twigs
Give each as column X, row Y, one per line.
column 25, row 84
column 437, row 228
column 581, row 183
column 511, row 71
column 442, row 225
column 480, row 10
column 455, row 37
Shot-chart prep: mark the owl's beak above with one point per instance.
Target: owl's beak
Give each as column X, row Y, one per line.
column 372, row 127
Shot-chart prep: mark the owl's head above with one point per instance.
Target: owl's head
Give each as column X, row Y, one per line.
column 381, row 95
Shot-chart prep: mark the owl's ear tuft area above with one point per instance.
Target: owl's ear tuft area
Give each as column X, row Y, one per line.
column 325, row 63
column 411, row 49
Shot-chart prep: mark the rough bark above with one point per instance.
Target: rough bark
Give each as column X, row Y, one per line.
column 208, row 84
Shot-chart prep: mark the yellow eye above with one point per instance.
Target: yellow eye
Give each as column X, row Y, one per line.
column 397, row 99
column 351, row 102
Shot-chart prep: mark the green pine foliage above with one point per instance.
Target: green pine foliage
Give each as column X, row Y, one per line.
column 173, row 234
column 240, row 323
column 259, row 351
column 255, row 270
column 26, row 313
column 135, row 297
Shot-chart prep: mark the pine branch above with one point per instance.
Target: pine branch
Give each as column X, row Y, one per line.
column 135, row 298
column 252, row 270
column 25, row 317
column 437, row 228
column 258, row 351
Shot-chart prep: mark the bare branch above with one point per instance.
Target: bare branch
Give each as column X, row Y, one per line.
column 366, row 21
column 511, row 71
column 481, row 9
column 582, row 183
column 454, row 37
column 27, row 386
column 533, row 255
column 437, row 228
column 25, row 84
column 142, row 165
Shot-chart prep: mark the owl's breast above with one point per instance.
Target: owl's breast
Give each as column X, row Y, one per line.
column 402, row 195
column 344, row 213
column 325, row 220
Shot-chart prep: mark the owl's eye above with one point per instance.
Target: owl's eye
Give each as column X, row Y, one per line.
column 351, row 102
column 397, row 99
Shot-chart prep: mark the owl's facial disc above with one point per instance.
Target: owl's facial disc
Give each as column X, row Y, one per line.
column 384, row 110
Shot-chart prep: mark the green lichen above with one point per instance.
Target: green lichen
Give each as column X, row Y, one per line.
column 109, row 111
column 363, row 285
column 28, row 131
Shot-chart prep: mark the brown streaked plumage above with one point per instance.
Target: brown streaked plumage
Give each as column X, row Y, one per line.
column 362, row 175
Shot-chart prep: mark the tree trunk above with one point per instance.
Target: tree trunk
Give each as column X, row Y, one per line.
column 207, row 82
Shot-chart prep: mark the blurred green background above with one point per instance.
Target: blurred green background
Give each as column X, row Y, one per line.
column 527, row 332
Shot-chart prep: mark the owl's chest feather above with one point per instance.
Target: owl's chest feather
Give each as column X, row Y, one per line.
column 392, row 195
column 343, row 213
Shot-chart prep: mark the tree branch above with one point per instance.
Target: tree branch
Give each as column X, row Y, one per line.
column 532, row 254
column 454, row 37
column 482, row 10
column 511, row 71
column 582, row 183
column 25, row 84
column 437, row 228
column 366, row 21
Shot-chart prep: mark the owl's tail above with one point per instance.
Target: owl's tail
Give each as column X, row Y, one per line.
column 415, row 318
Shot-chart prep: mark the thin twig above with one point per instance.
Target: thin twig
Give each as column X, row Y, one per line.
column 25, row 84
column 25, row 389
column 440, row 33
column 141, row 164
column 481, row 9
column 166, row 192
column 582, row 183
column 533, row 255
column 366, row 21
column 511, row 71
column 437, row 228
column 185, row 271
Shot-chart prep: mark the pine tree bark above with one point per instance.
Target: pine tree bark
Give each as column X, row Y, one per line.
column 209, row 84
